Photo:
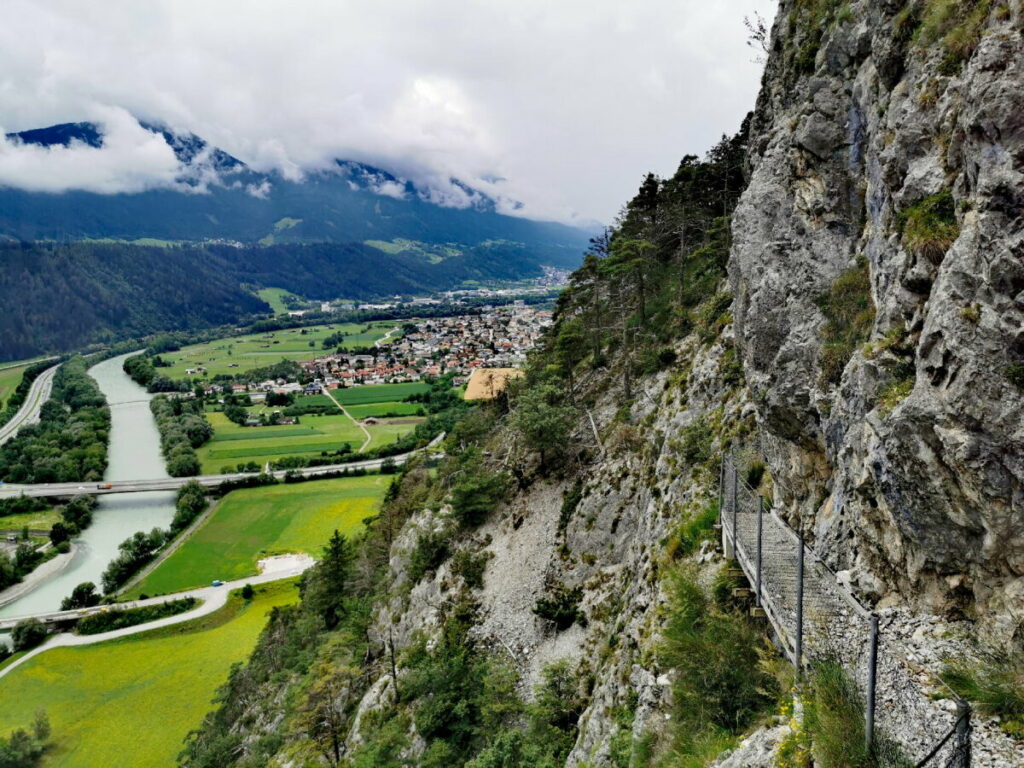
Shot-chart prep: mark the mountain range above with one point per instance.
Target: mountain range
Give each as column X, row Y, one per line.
column 218, row 197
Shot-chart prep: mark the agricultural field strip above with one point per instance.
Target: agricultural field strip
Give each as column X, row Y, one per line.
column 211, row 598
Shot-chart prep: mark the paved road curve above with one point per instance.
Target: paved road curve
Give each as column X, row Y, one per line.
column 173, row 483
column 212, row 599
column 38, row 394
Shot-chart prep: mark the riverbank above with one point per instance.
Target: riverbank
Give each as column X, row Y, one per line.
column 133, row 453
column 46, row 571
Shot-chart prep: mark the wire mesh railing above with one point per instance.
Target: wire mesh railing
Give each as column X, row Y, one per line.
column 816, row 619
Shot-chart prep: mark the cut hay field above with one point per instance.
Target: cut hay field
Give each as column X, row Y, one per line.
column 253, row 523
column 275, row 298
column 132, row 701
column 237, row 354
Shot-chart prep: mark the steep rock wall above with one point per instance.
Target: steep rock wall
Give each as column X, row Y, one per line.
column 884, row 132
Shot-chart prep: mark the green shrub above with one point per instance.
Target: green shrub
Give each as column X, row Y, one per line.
column 695, row 441
column 572, row 499
column 719, row 686
column 476, row 497
column 562, row 606
column 1015, row 373
column 929, row 227
column 470, row 566
column 849, row 316
column 130, row 617
column 27, row 634
column 431, row 550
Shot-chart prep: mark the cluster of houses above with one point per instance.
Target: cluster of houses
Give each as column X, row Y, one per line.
column 498, row 338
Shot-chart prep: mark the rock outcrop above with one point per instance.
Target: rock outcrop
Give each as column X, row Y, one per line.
column 888, row 133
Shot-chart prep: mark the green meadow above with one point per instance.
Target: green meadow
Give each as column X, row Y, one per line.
column 379, row 409
column 237, row 354
column 275, row 298
column 133, row 701
column 41, row 520
column 253, row 523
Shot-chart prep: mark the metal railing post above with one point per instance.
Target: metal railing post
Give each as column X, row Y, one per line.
column 800, row 604
column 735, row 503
column 869, row 717
column 760, row 527
column 963, row 734
column 721, row 487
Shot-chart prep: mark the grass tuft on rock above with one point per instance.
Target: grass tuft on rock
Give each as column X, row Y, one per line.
column 995, row 685
column 929, row 227
column 849, row 316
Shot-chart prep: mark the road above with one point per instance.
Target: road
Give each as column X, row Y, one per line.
column 212, row 598
column 38, row 394
column 65, row 490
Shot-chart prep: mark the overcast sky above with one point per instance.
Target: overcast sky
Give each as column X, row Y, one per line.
column 560, row 104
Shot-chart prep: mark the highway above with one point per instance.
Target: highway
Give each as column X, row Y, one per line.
column 38, row 394
column 66, row 490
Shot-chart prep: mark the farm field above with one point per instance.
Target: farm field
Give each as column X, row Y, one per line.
column 380, row 409
column 238, row 354
column 10, row 377
column 253, row 523
column 379, row 393
column 232, row 444
column 136, row 698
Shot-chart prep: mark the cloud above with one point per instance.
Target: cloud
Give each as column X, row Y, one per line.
column 131, row 159
column 562, row 106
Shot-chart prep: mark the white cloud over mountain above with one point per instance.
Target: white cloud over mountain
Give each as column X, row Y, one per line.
column 562, row 106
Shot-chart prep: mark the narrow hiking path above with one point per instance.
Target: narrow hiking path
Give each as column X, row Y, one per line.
column 369, row 437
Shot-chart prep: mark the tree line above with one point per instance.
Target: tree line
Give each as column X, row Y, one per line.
column 183, row 428
column 70, row 441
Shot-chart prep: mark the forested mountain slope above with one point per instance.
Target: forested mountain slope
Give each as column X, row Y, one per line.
column 62, row 297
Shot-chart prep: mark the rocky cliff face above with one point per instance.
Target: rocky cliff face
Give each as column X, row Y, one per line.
column 893, row 133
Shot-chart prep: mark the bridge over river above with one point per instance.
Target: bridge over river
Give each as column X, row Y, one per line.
column 67, row 490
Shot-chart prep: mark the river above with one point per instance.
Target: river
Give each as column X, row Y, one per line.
column 134, row 454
